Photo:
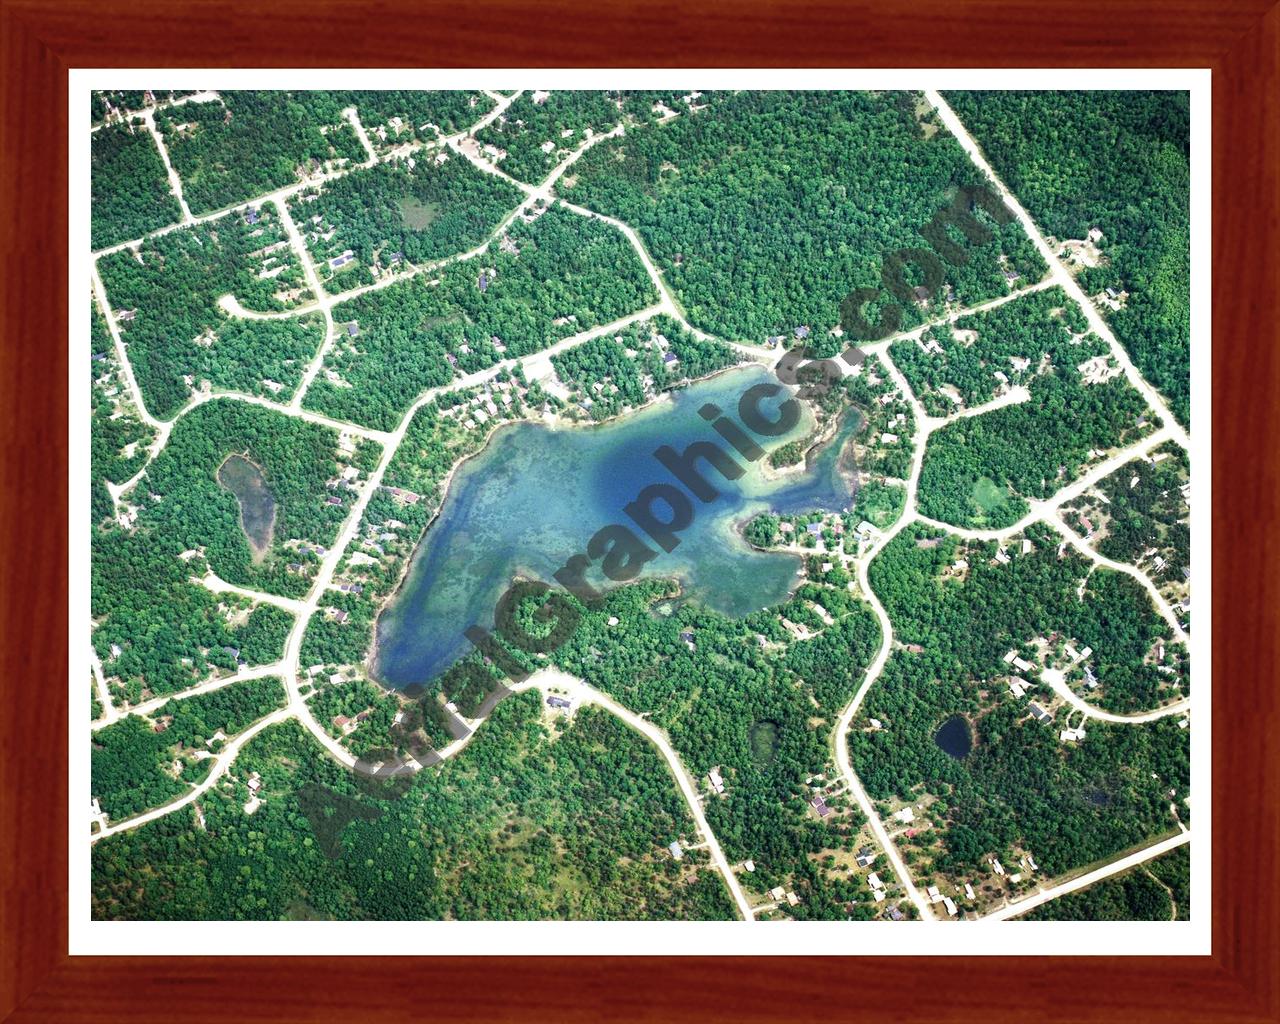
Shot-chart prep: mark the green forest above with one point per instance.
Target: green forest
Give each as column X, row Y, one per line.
column 393, row 212
column 170, row 630
column 1144, row 510
column 1119, row 162
column 560, row 117
column 761, row 712
column 174, row 328
column 118, row 439
column 570, row 273
column 1159, row 890
column 1069, row 804
column 567, row 822
column 978, row 471
column 248, row 143
column 631, row 366
column 765, row 211
column 129, row 188
column 424, row 114
column 133, row 761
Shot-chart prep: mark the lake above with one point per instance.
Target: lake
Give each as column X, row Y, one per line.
column 537, row 494
column 954, row 737
column 257, row 504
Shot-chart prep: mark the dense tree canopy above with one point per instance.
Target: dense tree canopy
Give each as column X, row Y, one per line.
column 768, row 208
column 569, row 273
column 565, row 822
column 1119, row 162
column 177, row 334
column 129, row 186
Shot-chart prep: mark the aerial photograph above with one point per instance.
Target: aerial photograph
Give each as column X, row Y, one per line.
column 601, row 505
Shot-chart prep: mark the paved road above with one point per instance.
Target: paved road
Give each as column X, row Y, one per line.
column 667, row 305
column 175, row 183
column 221, row 763
column 146, row 707
column 1057, row 269
column 583, row 693
column 1088, row 879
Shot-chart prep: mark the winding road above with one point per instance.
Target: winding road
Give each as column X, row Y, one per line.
column 288, row 668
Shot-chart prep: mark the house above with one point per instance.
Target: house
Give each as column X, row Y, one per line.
column 820, row 805
column 717, row 783
column 1040, row 714
column 343, row 260
column 906, row 815
column 950, row 905
column 333, row 499
column 968, row 891
column 896, row 914
column 777, row 893
column 921, row 294
column 676, row 852
column 814, row 529
column 1095, row 235
column 1022, row 665
column 792, row 899
column 561, row 702
column 335, row 679
column 353, row 329
column 879, row 895
column 997, row 867
column 802, row 332
column 873, row 880
column 1017, row 686
column 340, row 616
column 749, row 865
column 254, row 783
column 933, row 894
column 670, row 359
column 865, row 857
column 612, row 620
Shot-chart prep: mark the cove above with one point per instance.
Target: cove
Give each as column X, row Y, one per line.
column 257, row 504
column 536, row 494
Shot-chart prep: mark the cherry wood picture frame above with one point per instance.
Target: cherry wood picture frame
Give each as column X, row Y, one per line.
column 1239, row 40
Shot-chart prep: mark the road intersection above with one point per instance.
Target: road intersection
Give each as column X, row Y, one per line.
column 288, row 668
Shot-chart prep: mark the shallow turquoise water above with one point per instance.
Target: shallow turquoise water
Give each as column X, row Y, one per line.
column 536, row 495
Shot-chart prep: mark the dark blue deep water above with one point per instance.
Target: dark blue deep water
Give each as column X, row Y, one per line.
column 954, row 737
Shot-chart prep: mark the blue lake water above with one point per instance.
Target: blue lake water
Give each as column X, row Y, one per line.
column 536, row 495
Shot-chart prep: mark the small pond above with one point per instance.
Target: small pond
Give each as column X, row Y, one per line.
column 954, row 737
column 257, row 504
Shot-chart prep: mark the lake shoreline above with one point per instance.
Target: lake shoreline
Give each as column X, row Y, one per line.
column 371, row 661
